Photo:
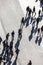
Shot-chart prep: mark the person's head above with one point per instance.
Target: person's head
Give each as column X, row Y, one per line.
column 27, row 9
column 34, row 9
column 0, row 39
column 7, row 36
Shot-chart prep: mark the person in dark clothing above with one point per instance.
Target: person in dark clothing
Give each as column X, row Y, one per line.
column 27, row 10
column 33, row 12
column 12, row 34
column 6, row 42
column 11, row 48
column 30, row 62
column 28, row 15
column 38, row 35
column 11, row 43
column 6, row 49
column 22, row 21
column 28, row 18
column 17, row 44
column 39, row 13
column 38, row 38
column 27, row 21
column 37, row 21
column 20, row 34
column 30, row 11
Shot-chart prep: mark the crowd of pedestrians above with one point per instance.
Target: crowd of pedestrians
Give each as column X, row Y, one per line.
column 30, row 18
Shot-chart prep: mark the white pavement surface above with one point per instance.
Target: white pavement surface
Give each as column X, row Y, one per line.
column 11, row 13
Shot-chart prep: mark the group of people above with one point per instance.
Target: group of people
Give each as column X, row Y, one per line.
column 30, row 18
column 7, row 51
column 39, row 35
column 17, row 50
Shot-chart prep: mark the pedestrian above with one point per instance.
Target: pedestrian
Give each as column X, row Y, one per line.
column 20, row 34
column 34, row 12
column 30, row 62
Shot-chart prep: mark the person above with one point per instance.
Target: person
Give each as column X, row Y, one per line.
column 11, row 48
column 38, row 38
column 12, row 34
column 39, row 13
column 37, row 20
column 30, row 11
column 20, row 34
column 22, row 23
column 19, row 38
column 6, row 49
column 27, row 11
column 11, row 43
column 33, row 12
column 27, row 20
column 7, row 46
column 33, row 26
column 30, row 62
